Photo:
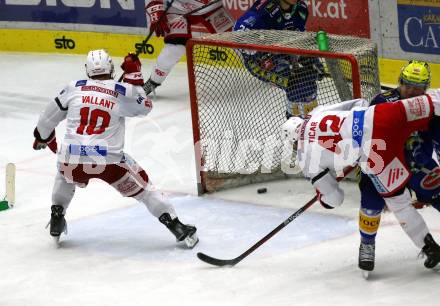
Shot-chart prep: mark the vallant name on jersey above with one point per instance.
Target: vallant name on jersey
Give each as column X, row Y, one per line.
column 98, row 101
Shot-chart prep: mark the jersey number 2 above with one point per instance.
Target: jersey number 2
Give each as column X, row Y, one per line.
column 89, row 123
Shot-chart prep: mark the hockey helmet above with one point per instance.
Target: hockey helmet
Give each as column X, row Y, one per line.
column 291, row 129
column 416, row 73
column 99, row 62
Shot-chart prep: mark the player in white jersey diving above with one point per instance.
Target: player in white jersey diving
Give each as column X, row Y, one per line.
column 347, row 134
column 175, row 26
column 95, row 111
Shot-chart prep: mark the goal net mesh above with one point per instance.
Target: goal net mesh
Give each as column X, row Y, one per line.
column 243, row 83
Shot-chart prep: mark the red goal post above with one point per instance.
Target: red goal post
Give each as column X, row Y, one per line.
column 236, row 117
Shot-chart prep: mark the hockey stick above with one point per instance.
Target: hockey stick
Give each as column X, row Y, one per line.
column 233, row 262
column 141, row 46
column 144, row 42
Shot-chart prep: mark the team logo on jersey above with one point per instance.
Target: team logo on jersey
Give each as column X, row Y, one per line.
column 432, row 180
column 140, row 99
column 120, row 89
column 417, row 108
column 81, row 83
column 394, row 175
column 220, row 21
column 101, row 90
column 82, row 150
column 357, row 128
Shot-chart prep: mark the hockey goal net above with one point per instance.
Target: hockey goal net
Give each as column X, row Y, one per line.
column 237, row 116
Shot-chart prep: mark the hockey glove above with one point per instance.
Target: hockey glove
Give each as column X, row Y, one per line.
column 40, row 143
column 132, row 70
column 323, row 204
column 158, row 20
column 330, row 195
column 301, row 10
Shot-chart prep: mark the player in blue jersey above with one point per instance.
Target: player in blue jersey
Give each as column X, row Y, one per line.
column 296, row 75
column 414, row 80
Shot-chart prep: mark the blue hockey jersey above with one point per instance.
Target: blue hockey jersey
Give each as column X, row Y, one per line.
column 268, row 15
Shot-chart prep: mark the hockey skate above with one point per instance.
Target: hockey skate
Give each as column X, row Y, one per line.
column 150, row 87
column 366, row 258
column 183, row 232
column 57, row 223
column 432, row 252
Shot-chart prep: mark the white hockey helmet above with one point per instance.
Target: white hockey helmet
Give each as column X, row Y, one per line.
column 291, row 129
column 99, row 62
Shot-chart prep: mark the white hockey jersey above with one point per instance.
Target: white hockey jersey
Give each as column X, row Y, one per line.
column 95, row 112
column 325, row 139
column 349, row 134
column 186, row 6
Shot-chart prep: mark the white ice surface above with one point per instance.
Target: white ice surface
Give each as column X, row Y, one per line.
column 118, row 254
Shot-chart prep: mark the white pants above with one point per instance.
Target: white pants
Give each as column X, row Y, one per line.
column 166, row 60
column 157, row 203
column 409, row 218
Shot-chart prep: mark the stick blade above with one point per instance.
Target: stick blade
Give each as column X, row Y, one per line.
column 10, row 183
column 215, row 261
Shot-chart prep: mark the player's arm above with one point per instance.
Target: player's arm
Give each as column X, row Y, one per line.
column 133, row 102
column 330, row 195
column 133, row 99
column 301, row 15
column 53, row 114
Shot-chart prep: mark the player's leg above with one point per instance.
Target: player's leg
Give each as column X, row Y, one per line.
column 370, row 211
column 132, row 181
column 62, row 195
column 414, row 226
column 173, row 50
column 159, row 206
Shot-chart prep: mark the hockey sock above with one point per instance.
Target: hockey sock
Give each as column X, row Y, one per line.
column 166, row 60
column 62, row 192
column 369, row 221
column 156, row 203
column 410, row 220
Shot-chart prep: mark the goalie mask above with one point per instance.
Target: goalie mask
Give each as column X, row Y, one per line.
column 291, row 130
column 99, row 62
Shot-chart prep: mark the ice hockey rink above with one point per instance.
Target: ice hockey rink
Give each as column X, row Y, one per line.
column 116, row 253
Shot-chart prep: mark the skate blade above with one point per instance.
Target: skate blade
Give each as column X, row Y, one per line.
column 56, row 241
column 365, row 274
column 191, row 241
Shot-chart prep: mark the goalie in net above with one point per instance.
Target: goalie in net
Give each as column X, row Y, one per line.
column 296, row 75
